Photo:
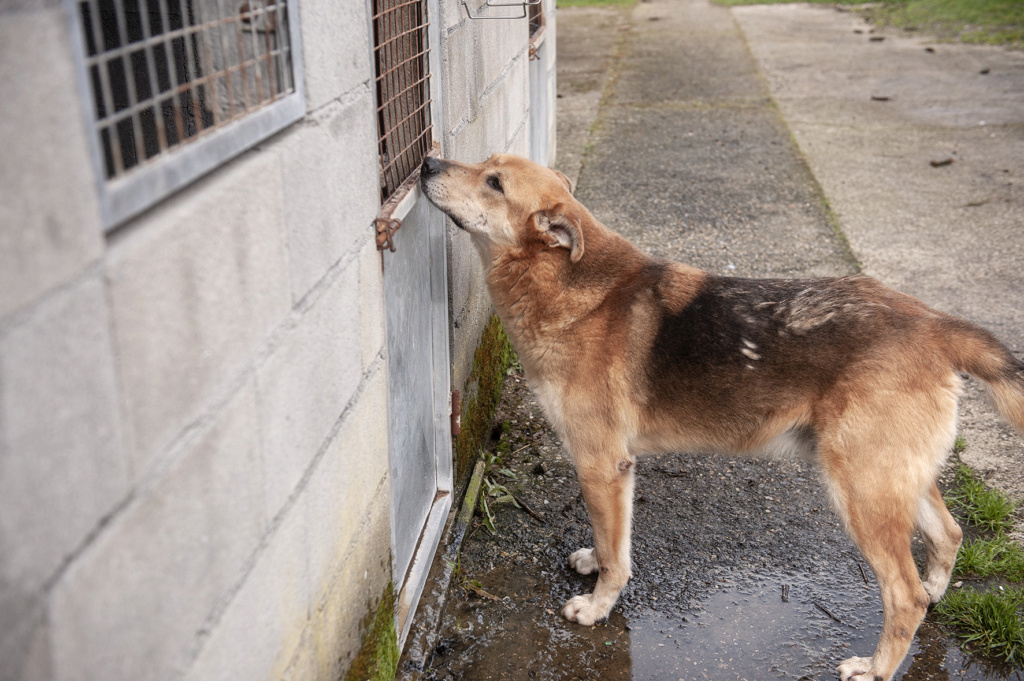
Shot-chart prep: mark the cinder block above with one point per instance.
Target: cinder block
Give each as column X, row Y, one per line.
column 62, row 459
column 335, row 48
column 49, row 209
column 336, row 625
column 459, row 78
column 517, row 102
column 350, row 477
column 133, row 604
column 196, row 289
column 305, row 385
column 497, row 44
column 24, row 640
column 371, row 303
column 471, row 304
column 452, row 14
column 331, row 192
column 259, row 632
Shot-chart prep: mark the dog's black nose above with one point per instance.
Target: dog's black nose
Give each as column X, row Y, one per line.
column 431, row 165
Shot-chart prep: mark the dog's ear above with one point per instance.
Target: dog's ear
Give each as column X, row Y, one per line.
column 565, row 179
column 562, row 230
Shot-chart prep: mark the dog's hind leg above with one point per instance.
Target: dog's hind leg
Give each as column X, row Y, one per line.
column 942, row 537
column 882, row 531
column 607, row 482
column 879, row 507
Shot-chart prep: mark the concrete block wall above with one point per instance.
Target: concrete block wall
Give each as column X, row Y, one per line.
column 193, row 408
column 486, row 104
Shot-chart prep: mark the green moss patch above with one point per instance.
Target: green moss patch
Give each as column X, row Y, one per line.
column 378, row 658
column 491, row 362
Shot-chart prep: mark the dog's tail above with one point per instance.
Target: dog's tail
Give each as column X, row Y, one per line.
column 979, row 353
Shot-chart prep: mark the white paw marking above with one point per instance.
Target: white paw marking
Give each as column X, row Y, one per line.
column 850, row 669
column 584, row 562
column 936, row 587
column 583, row 610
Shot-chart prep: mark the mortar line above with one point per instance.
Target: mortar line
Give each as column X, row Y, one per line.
column 224, row 602
column 180, row 444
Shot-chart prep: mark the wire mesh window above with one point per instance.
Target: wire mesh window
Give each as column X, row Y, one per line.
column 164, row 73
column 403, row 93
column 536, row 17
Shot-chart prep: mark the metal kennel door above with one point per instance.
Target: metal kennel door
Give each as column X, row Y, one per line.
column 415, row 295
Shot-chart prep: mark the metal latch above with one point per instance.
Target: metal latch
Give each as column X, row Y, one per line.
column 522, row 5
column 386, row 228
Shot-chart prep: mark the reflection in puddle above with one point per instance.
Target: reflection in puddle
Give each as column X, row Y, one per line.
column 742, row 632
column 753, row 635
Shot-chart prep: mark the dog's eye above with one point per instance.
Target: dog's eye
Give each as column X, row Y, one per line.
column 495, row 183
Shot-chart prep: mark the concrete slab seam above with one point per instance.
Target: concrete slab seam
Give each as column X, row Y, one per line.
column 833, row 218
column 614, row 69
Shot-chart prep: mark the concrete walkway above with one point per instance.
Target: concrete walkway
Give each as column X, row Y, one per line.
column 871, row 117
column 747, row 142
column 915, row 152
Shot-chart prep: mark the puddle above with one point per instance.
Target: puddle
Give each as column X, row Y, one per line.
column 753, row 635
column 715, row 540
column 744, row 631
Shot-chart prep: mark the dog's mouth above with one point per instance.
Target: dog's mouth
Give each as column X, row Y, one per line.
column 429, row 190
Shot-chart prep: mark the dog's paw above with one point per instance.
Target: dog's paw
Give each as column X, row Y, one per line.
column 584, row 561
column 854, row 669
column 936, row 588
column 583, row 610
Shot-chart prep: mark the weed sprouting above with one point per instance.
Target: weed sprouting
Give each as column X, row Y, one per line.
column 996, row 556
column 988, row 509
column 990, row 621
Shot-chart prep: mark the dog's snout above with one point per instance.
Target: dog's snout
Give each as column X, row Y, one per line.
column 431, row 165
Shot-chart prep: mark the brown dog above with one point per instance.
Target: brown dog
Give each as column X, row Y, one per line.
column 629, row 355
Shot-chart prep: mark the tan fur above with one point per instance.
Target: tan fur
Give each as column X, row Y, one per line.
column 630, row 355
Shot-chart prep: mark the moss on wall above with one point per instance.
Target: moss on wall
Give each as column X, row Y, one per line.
column 493, row 357
column 378, row 658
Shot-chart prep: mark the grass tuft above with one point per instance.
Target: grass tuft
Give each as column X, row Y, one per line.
column 988, row 621
column 998, row 556
column 595, row 3
column 989, row 509
column 995, row 22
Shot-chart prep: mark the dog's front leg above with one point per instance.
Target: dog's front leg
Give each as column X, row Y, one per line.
column 607, row 482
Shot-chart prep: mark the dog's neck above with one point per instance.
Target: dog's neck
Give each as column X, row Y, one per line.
column 541, row 295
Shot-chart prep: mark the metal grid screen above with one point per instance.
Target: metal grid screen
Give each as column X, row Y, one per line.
column 164, row 72
column 536, row 18
column 403, row 96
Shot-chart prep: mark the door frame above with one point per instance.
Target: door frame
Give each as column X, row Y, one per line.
column 409, row 586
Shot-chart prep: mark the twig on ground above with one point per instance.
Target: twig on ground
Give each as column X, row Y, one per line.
column 821, row 607
column 529, row 510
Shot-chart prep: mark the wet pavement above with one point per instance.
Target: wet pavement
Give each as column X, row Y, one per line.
column 741, row 569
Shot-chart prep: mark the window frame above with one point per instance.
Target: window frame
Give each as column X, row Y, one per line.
column 124, row 197
column 404, row 197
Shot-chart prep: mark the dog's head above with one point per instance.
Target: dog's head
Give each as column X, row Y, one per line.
column 507, row 202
